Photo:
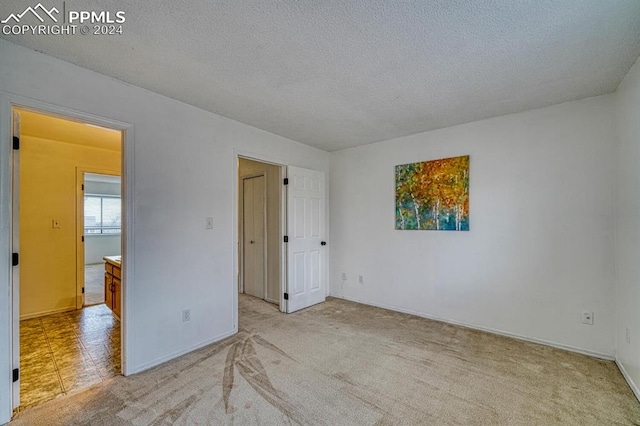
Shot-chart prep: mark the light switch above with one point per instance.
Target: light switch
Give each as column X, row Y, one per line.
column 55, row 223
column 209, row 223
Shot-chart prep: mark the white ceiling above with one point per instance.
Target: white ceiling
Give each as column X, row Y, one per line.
column 336, row 73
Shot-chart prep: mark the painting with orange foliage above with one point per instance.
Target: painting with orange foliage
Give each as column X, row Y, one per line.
column 433, row 195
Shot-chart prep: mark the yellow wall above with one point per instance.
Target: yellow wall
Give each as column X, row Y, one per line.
column 274, row 191
column 48, row 191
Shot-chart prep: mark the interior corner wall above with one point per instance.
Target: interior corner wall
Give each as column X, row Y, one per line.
column 627, row 250
column 540, row 246
column 47, row 192
column 274, row 190
column 184, row 170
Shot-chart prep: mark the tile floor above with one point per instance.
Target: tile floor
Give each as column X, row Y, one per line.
column 93, row 284
column 65, row 352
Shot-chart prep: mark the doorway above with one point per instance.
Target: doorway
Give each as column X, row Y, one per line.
column 260, row 229
column 99, row 219
column 254, row 240
column 59, row 345
column 294, row 239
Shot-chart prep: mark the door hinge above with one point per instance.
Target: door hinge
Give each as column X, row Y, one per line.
column 83, row 238
column 16, row 374
column 286, row 181
column 83, row 186
column 16, row 142
column 286, row 296
column 82, row 290
column 15, row 259
column 286, row 238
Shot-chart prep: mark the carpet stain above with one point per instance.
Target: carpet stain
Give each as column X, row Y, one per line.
column 259, row 340
column 170, row 416
column 227, row 380
column 243, row 357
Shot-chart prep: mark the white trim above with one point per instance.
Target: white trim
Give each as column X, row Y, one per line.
column 600, row 355
column 165, row 358
column 80, row 234
column 8, row 322
column 15, row 248
column 630, row 382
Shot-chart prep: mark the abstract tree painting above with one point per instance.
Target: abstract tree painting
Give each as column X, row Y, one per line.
column 433, row 195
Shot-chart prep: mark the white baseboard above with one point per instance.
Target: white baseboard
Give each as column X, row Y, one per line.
column 49, row 312
column 629, row 380
column 600, row 355
column 169, row 357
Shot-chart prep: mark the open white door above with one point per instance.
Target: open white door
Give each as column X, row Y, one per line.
column 15, row 273
column 306, row 254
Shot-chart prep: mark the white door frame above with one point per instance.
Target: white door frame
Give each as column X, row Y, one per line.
column 282, row 165
column 9, row 299
column 80, row 240
column 264, row 240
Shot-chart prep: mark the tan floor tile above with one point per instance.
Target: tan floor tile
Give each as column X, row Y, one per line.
column 78, row 362
column 31, row 332
column 40, row 352
column 37, row 366
column 74, row 379
column 33, row 345
column 39, row 389
column 58, row 352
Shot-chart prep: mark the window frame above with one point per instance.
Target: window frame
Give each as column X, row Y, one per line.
column 101, row 227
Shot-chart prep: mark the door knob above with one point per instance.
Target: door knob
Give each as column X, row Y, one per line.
column 252, row 241
column 324, row 243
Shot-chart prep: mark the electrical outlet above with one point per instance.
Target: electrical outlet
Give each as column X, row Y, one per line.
column 344, row 276
column 587, row 317
column 360, row 279
column 628, row 337
column 186, row 315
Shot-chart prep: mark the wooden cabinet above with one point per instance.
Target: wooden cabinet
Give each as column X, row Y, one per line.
column 113, row 285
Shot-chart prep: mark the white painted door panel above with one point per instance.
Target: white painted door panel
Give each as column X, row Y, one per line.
column 306, row 256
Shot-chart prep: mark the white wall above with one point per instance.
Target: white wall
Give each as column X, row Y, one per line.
column 540, row 246
column 98, row 246
column 184, row 171
column 627, row 112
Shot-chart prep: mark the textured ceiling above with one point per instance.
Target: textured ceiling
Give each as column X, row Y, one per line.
column 336, row 73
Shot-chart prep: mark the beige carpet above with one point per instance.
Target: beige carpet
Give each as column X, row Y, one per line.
column 341, row 363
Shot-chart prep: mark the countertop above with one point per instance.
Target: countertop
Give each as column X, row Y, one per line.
column 114, row 260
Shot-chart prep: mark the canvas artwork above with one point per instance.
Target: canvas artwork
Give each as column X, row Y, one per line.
column 433, row 195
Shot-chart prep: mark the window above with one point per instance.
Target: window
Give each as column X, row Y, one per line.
column 102, row 214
